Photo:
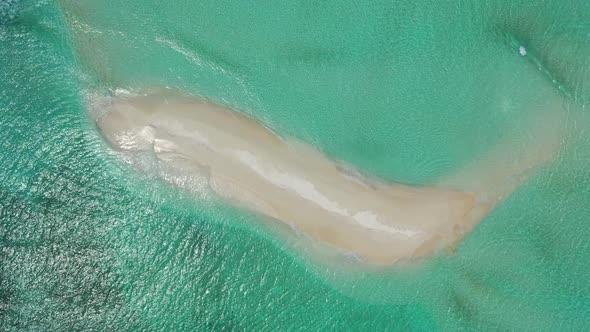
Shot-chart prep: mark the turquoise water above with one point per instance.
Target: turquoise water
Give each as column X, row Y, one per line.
column 404, row 90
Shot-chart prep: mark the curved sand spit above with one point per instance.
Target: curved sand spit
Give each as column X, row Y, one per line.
column 292, row 182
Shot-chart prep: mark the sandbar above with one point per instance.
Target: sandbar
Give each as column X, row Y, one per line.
column 289, row 181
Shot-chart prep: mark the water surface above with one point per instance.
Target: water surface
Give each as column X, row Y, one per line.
column 403, row 90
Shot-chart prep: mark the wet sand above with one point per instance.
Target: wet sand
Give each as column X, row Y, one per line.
column 291, row 182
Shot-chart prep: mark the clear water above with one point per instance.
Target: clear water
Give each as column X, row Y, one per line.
column 405, row 90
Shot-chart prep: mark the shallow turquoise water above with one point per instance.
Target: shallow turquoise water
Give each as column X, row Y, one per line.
column 404, row 90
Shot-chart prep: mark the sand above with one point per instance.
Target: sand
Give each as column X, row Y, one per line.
column 291, row 182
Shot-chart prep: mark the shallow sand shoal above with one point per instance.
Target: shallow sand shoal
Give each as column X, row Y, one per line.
column 291, row 182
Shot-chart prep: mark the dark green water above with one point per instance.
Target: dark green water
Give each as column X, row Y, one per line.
column 405, row 90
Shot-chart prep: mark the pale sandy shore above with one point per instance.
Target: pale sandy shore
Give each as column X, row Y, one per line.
column 291, row 182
